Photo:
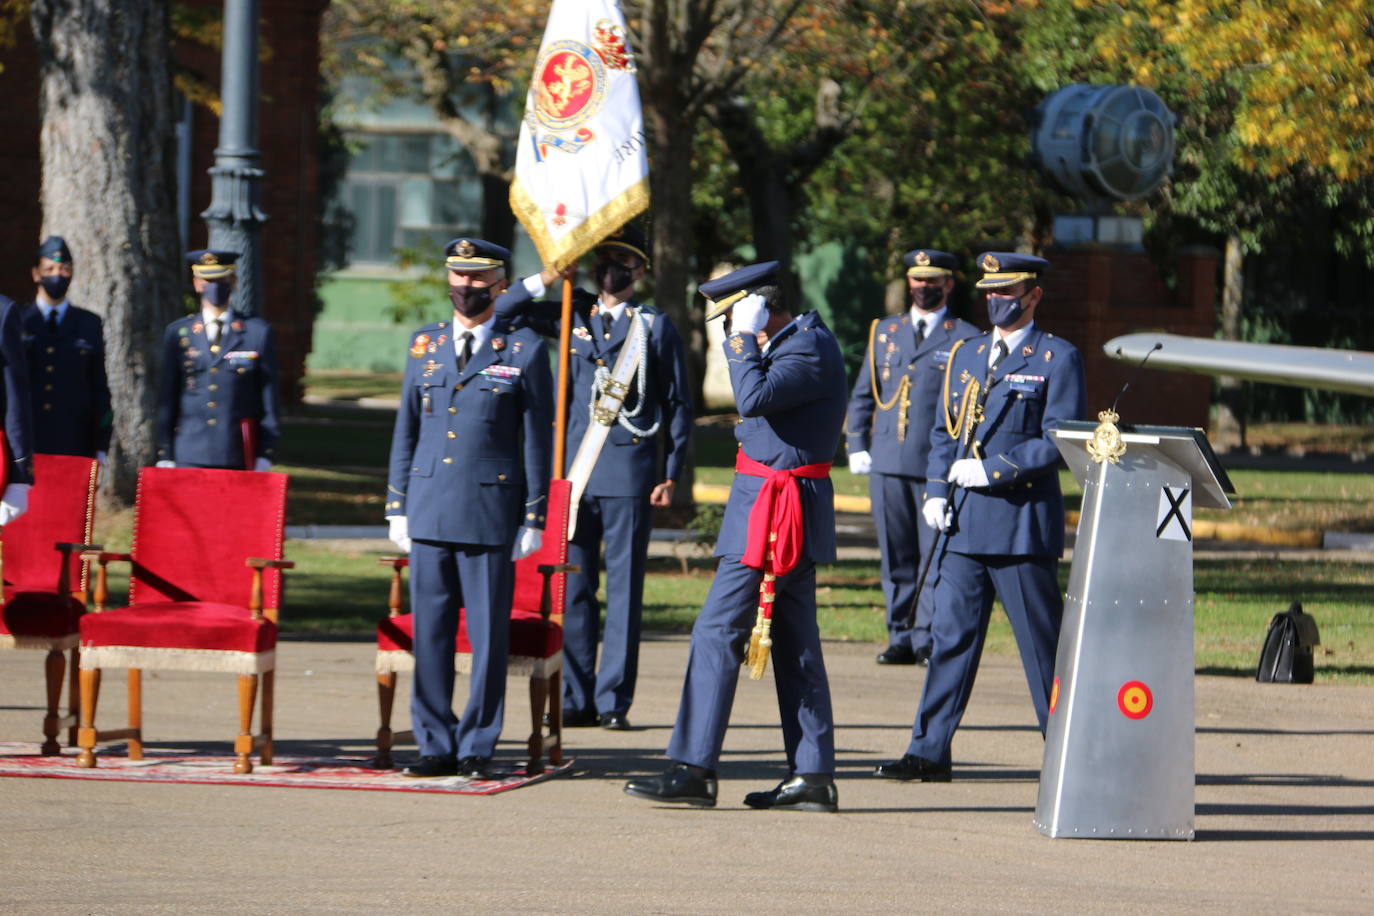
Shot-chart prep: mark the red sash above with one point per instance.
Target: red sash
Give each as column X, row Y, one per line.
column 776, row 517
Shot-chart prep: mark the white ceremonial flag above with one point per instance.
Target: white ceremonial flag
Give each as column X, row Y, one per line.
column 581, row 169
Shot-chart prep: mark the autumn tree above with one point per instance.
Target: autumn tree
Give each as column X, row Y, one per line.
column 107, row 148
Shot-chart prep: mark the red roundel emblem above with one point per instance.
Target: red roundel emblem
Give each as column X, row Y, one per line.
column 569, row 85
column 1134, row 700
column 1054, row 695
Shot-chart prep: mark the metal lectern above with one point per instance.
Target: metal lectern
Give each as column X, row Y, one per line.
column 1119, row 741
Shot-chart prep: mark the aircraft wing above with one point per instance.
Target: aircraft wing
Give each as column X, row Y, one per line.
column 1351, row 371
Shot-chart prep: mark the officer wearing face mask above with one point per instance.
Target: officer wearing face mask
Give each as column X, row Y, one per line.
column 992, row 488
column 217, row 407
column 66, row 352
column 630, row 474
column 888, row 436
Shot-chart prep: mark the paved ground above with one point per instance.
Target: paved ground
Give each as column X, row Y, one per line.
column 1285, row 812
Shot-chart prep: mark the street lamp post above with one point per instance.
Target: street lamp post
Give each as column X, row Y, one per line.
column 234, row 216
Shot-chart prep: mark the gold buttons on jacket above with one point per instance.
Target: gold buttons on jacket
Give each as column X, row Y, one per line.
column 211, row 404
column 453, row 410
column 211, row 422
column 452, row 434
column 448, row 461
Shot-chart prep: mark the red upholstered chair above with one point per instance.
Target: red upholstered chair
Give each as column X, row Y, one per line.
column 203, row 596
column 45, row 579
column 536, row 637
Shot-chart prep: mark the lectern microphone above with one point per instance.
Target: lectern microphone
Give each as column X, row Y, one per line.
column 1159, row 345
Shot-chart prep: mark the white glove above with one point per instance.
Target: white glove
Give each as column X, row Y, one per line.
column 262, row 464
column 166, row 464
column 749, row 315
column 102, row 458
column 14, row 502
column 934, row 513
column 398, row 532
column 860, row 462
column 527, row 542
column 968, row 472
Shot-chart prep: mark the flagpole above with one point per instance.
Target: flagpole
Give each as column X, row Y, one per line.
column 560, row 416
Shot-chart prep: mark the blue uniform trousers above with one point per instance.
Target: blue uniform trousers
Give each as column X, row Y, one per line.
column 481, row 579
column 719, row 640
column 1029, row 589
column 624, row 522
column 904, row 541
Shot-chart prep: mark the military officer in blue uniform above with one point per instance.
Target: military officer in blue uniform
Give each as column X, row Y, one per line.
column 790, row 388
column 66, row 353
column 217, row 407
column 891, row 411
column 993, row 490
column 18, row 418
column 466, row 494
column 629, row 477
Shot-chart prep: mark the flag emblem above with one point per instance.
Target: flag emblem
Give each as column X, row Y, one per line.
column 569, row 87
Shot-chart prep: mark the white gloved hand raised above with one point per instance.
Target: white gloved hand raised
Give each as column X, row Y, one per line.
column 14, row 502
column 528, row 541
column 860, row 463
column 262, row 464
column 749, row 315
column 102, row 458
column 165, row 464
column 398, row 532
column 934, row 513
column 968, row 472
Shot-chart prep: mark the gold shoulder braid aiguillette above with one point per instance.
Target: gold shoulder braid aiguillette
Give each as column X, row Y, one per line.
column 901, row 398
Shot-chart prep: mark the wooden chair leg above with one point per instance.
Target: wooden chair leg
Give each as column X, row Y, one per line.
column 74, row 696
column 135, row 713
column 269, row 683
column 85, row 734
column 54, row 667
column 539, row 689
column 386, row 697
column 243, row 744
column 555, row 743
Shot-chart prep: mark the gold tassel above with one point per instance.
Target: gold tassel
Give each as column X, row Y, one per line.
column 759, row 645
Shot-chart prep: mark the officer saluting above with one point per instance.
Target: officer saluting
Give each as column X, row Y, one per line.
column 628, row 477
column 890, row 414
column 66, row 352
column 218, row 403
column 1004, row 392
column 789, row 383
column 465, row 496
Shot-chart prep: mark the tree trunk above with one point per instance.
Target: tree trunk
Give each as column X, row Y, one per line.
column 1230, row 422
column 108, row 149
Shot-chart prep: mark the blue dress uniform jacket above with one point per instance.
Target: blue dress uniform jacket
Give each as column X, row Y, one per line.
column 894, row 430
column 71, row 395
column 791, row 402
column 205, row 395
column 1006, row 537
column 615, row 504
column 14, row 397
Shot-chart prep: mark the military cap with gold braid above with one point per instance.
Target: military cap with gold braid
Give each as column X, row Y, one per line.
column 474, row 254
column 927, row 262
column 727, row 290
column 211, row 264
column 1007, row 268
column 628, row 238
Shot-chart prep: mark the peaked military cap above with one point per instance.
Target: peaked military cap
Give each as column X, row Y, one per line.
column 927, row 262
column 212, row 264
column 474, row 254
column 54, row 248
column 628, row 238
column 1007, row 268
column 727, row 290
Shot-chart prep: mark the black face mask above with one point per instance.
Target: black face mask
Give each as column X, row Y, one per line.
column 470, row 301
column 927, row 298
column 218, row 293
column 1004, row 311
column 55, row 286
column 613, row 277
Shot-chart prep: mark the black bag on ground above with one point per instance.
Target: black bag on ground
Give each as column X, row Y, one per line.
column 1287, row 654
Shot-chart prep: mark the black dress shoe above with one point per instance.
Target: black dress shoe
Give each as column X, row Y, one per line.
column 912, row 767
column 682, row 784
column 615, row 721
column 922, row 656
column 475, row 767
column 579, row 718
column 796, row 794
column 897, row 655
column 429, row 766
